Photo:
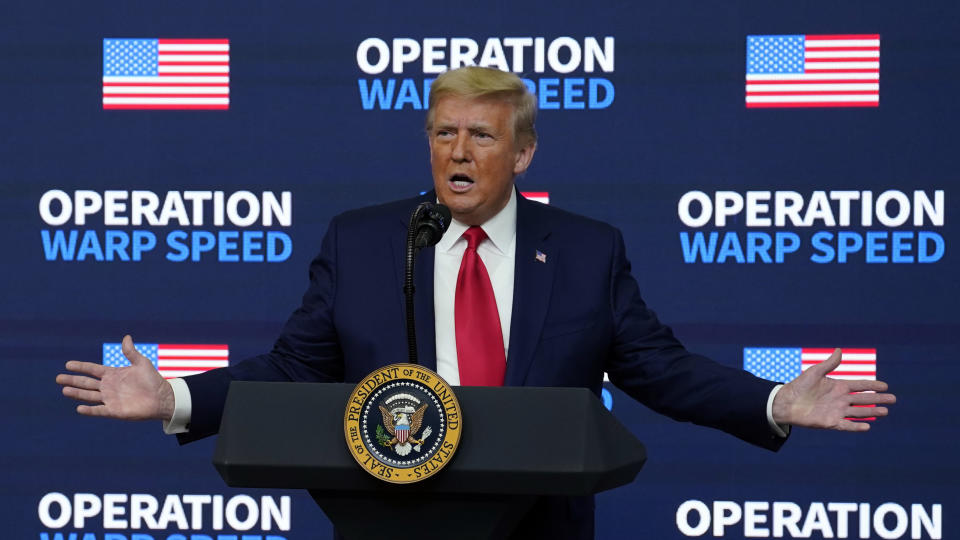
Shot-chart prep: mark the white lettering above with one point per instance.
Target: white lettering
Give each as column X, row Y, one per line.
column 462, row 52
column 900, row 515
column 196, row 503
column 725, row 513
column 755, row 208
column 196, row 199
column 143, row 205
column 112, row 511
column 112, row 206
column 553, row 54
column 683, row 517
column 903, row 212
column 405, row 50
column 842, row 509
column 751, row 518
column 143, row 509
column 383, row 58
column 43, row 510
column 85, row 202
column 706, row 208
column 517, row 44
column 933, row 525
column 66, row 207
column 922, row 205
column 595, row 55
column 253, row 208
column 817, row 520
column 432, row 53
column 233, row 518
column 270, row 513
column 729, row 203
column 493, row 55
column 786, row 516
column 172, row 511
column 173, row 208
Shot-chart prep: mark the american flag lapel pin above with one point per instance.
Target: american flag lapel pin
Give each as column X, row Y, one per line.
column 541, row 256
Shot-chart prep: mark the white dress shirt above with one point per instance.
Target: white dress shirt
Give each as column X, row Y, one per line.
column 497, row 252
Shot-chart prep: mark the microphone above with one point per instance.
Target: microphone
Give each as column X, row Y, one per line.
column 427, row 224
column 433, row 220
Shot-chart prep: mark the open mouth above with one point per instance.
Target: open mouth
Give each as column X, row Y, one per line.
column 460, row 182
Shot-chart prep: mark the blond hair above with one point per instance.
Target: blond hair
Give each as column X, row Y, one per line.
column 481, row 82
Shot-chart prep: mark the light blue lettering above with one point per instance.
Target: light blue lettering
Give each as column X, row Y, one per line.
column 281, row 239
column 175, row 239
column 573, row 88
column 759, row 243
column 548, row 89
column 201, row 241
column 923, row 255
column 787, row 242
column 407, row 94
column 228, row 241
column 847, row 242
column 90, row 245
column 376, row 93
column 821, row 241
column 730, row 248
column 699, row 248
column 117, row 242
column 143, row 241
column 58, row 246
column 876, row 242
column 252, row 240
column 900, row 244
column 595, row 85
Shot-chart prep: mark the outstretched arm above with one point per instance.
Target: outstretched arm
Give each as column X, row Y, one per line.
column 816, row 401
column 135, row 392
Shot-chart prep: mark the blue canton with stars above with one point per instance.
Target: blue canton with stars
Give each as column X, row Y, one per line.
column 772, row 363
column 113, row 354
column 775, row 54
column 130, row 57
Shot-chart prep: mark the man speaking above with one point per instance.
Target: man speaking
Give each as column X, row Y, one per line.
column 515, row 293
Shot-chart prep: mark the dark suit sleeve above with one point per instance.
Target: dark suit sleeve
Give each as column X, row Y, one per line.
column 307, row 349
column 651, row 365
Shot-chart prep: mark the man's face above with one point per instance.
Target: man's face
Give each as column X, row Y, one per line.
column 474, row 156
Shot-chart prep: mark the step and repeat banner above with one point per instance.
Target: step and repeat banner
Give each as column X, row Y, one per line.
column 784, row 175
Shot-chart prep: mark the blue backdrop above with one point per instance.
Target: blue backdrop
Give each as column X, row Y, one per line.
column 642, row 111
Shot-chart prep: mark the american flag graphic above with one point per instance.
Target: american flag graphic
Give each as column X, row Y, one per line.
column 172, row 360
column 783, row 364
column 836, row 70
column 166, row 73
column 539, row 196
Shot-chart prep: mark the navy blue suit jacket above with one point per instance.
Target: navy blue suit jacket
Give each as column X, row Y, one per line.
column 575, row 316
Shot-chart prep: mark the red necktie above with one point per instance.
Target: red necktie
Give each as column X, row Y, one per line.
column 479, row 339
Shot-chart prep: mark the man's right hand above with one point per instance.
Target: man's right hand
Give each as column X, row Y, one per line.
column 136, row 392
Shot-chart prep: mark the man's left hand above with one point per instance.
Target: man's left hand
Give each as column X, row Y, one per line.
column 816, row 401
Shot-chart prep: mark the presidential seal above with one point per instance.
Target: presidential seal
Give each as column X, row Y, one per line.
column 402, row 423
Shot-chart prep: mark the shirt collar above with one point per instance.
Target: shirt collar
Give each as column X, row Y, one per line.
column 501, row 229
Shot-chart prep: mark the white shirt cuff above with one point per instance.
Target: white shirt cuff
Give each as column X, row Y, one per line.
column 780, row 430
column 182, row 407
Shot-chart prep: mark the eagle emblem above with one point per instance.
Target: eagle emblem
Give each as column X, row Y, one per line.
column 402, row 419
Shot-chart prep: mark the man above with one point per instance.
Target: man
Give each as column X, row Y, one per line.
column 515, row 293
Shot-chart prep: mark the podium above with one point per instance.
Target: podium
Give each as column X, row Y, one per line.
column 517, row 444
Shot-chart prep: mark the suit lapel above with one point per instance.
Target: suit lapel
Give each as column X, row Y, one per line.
column 533, row 282
column 423, row 294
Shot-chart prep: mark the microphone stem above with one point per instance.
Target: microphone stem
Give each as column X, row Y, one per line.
column 408, row 288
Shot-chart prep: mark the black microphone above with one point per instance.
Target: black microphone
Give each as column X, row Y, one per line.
column 427, row 224
column 432, row 222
